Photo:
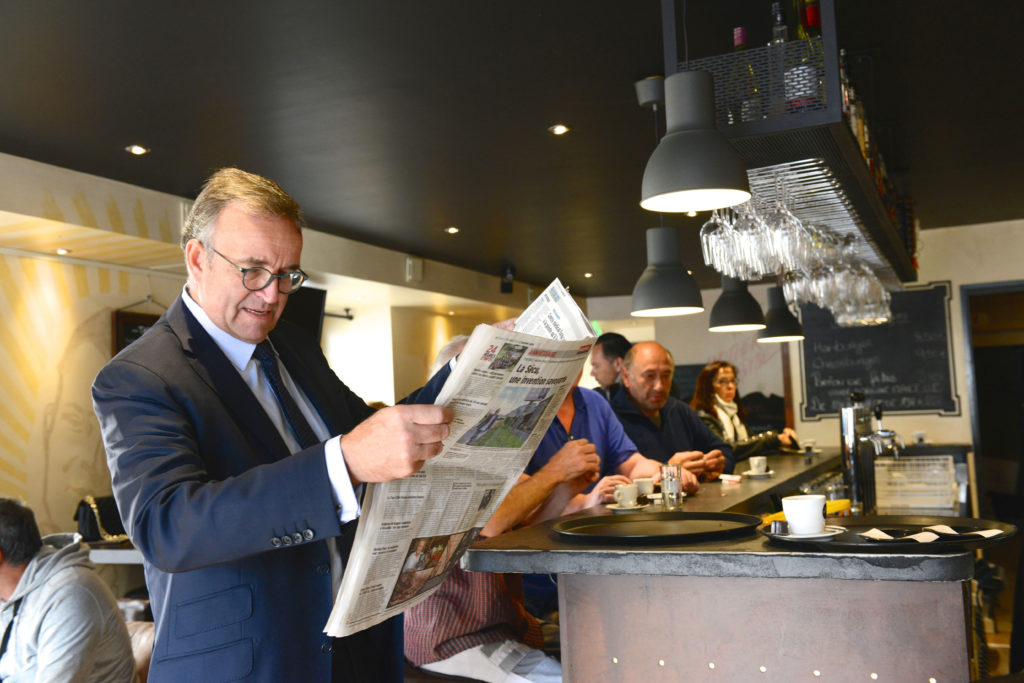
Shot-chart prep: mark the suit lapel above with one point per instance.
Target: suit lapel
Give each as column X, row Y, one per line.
column 213, row 367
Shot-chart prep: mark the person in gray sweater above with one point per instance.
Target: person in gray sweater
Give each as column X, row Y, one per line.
column 60, row 622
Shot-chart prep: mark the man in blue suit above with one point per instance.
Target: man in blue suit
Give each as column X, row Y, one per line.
column 237, row 458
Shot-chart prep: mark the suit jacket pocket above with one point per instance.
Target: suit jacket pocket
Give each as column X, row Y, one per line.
column 213, row 611
column 226, row 663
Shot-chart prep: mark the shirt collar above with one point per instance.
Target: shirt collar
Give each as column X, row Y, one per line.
column 238, row 352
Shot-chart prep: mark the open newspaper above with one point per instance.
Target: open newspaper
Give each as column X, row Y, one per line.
column 505, row 391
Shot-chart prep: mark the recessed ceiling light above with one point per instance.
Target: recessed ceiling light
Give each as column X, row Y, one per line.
column 588, row 275
column 558, row 129
column 63, row 252
column 451, row 230
column 691, row 214
column 451, row 312
column 137, row 150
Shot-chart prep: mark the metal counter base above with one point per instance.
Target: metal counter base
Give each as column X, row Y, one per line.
column 695, row 628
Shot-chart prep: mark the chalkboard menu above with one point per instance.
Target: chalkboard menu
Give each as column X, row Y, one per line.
column 906, row 364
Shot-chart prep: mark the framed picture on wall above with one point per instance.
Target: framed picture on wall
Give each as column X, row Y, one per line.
column 130, row 326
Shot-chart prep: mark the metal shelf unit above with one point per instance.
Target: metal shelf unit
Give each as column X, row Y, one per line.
column 775, row 133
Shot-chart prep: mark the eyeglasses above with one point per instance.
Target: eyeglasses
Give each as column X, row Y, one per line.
column 725, row 382
column 256, row 278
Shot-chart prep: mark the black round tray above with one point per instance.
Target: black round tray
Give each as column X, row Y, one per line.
column 655, row 528
column 900, row 526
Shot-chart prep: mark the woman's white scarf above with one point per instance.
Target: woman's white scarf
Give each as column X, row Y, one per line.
column 731, row 425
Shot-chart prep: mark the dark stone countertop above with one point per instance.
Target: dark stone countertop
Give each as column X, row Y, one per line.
column 538, row 549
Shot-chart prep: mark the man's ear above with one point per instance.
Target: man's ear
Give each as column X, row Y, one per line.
column 195, row 257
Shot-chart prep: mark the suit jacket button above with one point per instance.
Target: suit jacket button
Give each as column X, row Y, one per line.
column 286, row 539
column 322, row 569
column 326, row 648
column 297, row 537
column 308, row 534
column 276, row 542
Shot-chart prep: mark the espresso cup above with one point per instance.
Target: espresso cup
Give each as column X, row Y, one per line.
column 644, row 486
column 758, row 464
column 805, row 514
column 625, row 495
column 809, row 445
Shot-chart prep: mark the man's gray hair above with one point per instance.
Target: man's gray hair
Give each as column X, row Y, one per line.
column 259, row 195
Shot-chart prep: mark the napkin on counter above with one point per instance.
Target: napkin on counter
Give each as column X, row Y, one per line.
column 879, row 535
column 943, row 529
column 928, row 534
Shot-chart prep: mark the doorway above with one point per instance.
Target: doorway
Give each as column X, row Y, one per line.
column 994, row 333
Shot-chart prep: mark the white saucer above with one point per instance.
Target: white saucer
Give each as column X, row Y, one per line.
column 615, row 507
column 829, row 532
column 759, row 475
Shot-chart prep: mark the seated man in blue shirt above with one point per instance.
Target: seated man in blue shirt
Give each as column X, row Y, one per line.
column 662, row 427
column 585, row 422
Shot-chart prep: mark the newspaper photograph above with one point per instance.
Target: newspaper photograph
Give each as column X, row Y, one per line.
column 505, row 391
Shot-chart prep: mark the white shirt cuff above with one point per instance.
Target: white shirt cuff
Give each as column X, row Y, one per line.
column 341, row 484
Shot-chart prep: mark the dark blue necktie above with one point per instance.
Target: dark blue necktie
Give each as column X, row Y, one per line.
column 289, row 408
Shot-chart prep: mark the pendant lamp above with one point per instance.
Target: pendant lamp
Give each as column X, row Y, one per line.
column 694, row 167
column 665, row 288
column 736, row 309
column 780, row 323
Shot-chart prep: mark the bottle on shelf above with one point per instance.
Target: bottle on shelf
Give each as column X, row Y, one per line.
column 776, row 103
column 780, row 30
column 805, row 67
column 845, row 90
column 745, row 102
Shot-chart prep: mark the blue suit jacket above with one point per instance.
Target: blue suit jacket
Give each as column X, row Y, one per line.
column 207, row 491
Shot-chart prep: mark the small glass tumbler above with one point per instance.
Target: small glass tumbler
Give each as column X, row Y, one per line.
column 671, row 488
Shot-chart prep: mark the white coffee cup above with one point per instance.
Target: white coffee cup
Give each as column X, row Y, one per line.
column 625, row 495
column 805, row 514
column 758, row 464
column 644, row 486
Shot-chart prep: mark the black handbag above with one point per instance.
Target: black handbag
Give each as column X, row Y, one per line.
column 98, row 519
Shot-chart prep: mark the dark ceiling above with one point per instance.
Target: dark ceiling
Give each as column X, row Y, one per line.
column 390, row 121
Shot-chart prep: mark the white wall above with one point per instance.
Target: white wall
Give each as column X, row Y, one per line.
column 359, row 352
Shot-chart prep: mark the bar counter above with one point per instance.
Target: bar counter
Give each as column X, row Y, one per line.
column 739, row 609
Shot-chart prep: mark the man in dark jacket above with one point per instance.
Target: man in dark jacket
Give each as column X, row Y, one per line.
column 662, row 427
column 237, row 458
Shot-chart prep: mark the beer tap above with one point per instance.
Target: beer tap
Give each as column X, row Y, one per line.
column 884, row 440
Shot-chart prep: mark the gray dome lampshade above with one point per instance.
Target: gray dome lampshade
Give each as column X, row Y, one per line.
column 694, row 167
column 665, row 288
column 736, row 309
column 780, row 323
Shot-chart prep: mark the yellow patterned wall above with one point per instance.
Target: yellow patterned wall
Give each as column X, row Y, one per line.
column 55, row 334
